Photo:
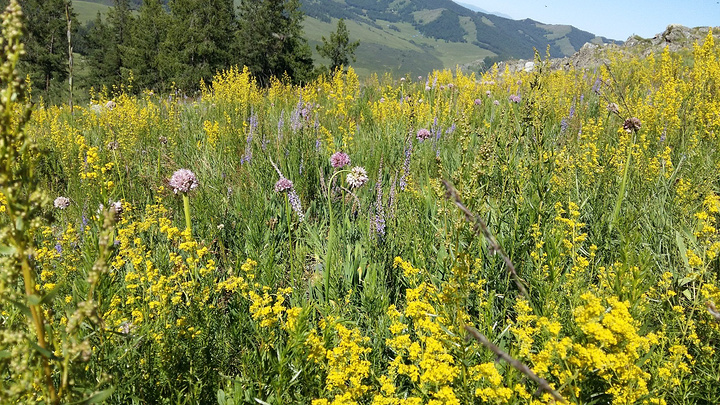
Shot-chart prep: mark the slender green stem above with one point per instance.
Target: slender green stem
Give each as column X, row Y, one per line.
column 331, row 237
column 290, row 243
column 186, row 204
column 623, row 185
column 120, row 176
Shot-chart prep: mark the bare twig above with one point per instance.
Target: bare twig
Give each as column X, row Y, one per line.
column 481, row 227
column 544, row 386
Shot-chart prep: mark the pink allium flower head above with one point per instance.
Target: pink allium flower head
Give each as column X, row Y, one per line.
column 283, row 185
column 183, row 181
column 632, row 124
column 62, row 202
column 427, row 88
column 357, row 177
column 514, row 98
column 423, row 134
column 488, row 93
column 339, row 160
column 495, row 102
column 478, row 101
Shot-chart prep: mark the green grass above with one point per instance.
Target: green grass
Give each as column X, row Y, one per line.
column 613, row 235
column 87, row 10
column 403, row 51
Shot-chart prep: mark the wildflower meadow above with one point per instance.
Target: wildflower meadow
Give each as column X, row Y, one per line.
column 524, row 238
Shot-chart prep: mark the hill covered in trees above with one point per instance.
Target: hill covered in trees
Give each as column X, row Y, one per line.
column 417, row 36
column 162, row 45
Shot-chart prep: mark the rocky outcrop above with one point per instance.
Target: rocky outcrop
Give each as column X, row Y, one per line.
column 675, row 37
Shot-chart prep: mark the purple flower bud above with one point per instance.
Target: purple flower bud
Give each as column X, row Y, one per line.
column 295, row 204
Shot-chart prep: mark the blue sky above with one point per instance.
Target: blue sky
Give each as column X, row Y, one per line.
column 614, row 19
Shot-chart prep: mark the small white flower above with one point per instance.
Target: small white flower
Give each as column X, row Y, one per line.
column 62, row 202
column 357, row 177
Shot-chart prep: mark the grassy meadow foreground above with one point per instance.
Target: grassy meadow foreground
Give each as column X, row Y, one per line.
column 323, row 262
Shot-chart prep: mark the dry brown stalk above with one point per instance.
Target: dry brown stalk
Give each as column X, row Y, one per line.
column 544, row 386
column 481, row 227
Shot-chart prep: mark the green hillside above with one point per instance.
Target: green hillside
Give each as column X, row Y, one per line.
column 414, row 37
column 88, row 10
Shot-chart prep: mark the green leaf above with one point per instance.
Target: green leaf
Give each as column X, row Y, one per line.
column 51, row 295
column 4, row 354
column 221, row 397
column 687, row 294
column 683, row 250
column 23, row 308
column 34, row 299
column 44, row 352
column 7, row 250
column 98, row 397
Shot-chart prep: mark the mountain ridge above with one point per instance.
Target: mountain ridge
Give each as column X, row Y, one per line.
column 417, row 36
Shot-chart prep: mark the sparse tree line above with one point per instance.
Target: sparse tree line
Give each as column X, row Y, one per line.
column 163, row 45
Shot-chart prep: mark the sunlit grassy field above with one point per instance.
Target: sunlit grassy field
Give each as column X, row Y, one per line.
column 312, row 253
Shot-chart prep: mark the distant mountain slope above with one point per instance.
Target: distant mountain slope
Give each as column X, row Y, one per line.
column 452, row 24
column 416, row 36
column 478, row 9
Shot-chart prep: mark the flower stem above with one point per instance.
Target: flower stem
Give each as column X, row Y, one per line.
column 623, row 185
column 331, row 237
column 289, row 230
column 186, row 204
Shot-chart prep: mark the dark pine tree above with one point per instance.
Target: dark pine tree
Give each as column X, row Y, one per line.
column 46, row 46
column 109, row 45
column 270, row 41
column 338, row 48
column 146, row 55
column 199, row 41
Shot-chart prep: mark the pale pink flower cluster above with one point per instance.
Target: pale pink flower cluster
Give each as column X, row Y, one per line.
column 357, row 177
column 62, row 202
column 423, row 134
column 183, row 181
column 283, row 185
column 339, row 160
